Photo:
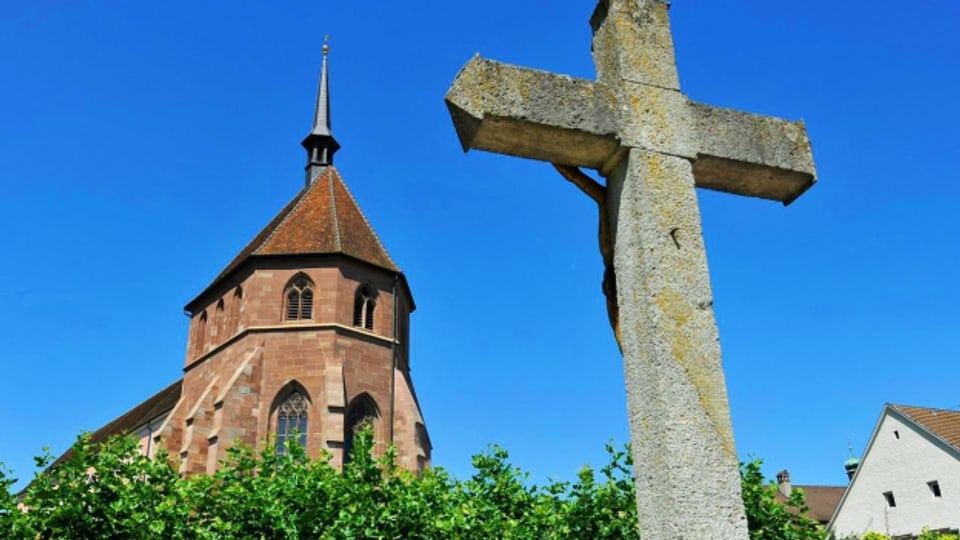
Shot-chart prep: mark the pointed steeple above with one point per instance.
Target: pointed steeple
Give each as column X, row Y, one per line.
column 319, row 143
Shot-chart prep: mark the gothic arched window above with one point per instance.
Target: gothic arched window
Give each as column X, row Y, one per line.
column 363, row 305
column 299, row 298
column 292, row 420
column 361, row 413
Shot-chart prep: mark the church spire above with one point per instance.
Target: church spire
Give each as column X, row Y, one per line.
column 319, row 143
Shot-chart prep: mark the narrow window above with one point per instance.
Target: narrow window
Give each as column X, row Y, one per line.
column 293, row 305
column 201, row 332
column 233, row 316
column 299, row 298
column 358, row 304
column 896, row 434
column 292, row 420
column 891, row 502
column 218, row 319
column 306, row 304
column 934, row 489
column 364, row 304
column 212, row 454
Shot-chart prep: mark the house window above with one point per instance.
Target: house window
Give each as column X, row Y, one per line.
column 891, row 502
column 361, row 413
column 896, row 434
column 934, row 489
column 292, row 420
column 363, row 305
column 299, row 298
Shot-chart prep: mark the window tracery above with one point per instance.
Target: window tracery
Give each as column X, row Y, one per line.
column 299, row 298
column 361, row 414
column 292, row 416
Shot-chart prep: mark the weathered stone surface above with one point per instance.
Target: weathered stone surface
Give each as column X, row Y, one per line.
column 656, row 119
column 632, row 42
column 753, row 155
column 688, row 485
column 654, row 146
column 530, row 113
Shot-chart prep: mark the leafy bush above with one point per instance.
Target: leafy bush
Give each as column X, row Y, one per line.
column 930, row 535
column 769, row 520
column 875, row 536
column 926, row 534
column 112, row 492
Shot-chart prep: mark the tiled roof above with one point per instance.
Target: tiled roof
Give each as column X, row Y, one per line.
column 322, row 218
column 821, row 500
column 943, row 424
column 151, row 409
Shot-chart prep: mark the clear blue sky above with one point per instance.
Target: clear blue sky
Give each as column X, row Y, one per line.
column 142, row 144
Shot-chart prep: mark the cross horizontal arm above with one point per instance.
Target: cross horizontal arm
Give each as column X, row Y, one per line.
column 533, row 114
column 752, row 155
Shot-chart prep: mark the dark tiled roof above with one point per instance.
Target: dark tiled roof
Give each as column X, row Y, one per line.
column 943, row 424
column 323, row 218
column 152, row 408
column 821, row 500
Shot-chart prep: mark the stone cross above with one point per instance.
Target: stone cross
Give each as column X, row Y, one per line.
column 654, row 146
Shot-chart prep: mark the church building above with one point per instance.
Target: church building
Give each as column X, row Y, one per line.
column 305, row 333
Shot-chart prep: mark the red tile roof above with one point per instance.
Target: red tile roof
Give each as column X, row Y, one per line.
column 323, row 218
column 137, row 417
column 943, row 424
column 821, row 500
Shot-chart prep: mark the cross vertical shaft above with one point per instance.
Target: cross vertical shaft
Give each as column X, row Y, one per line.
column 687, row 476
column 654, row 146
column 686, row 465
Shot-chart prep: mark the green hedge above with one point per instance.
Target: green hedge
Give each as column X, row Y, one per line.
column 112, row 492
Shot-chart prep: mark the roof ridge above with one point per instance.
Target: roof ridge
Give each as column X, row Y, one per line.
column 302, row 194
column 313, row 222
column 941, row 409
column 923, row 426
column 366, row 221
column 334, row 214
column 124, row 423
column 250, row 248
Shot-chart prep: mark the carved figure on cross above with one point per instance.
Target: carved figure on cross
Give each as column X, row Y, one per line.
column 654, row 146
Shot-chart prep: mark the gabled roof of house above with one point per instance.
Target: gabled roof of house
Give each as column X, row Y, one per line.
column 152, row 408
column 821, row 500
column 939, row 424
column 943, row 424
column 323, row 218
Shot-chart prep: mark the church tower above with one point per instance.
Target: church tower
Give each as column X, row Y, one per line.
column 305, row 333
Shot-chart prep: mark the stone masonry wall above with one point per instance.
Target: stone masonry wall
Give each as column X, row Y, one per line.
column 244, row 356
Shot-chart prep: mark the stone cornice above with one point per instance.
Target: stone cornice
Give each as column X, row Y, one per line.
column 290, row 327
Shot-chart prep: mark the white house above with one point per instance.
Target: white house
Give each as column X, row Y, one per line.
column 908, row 478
